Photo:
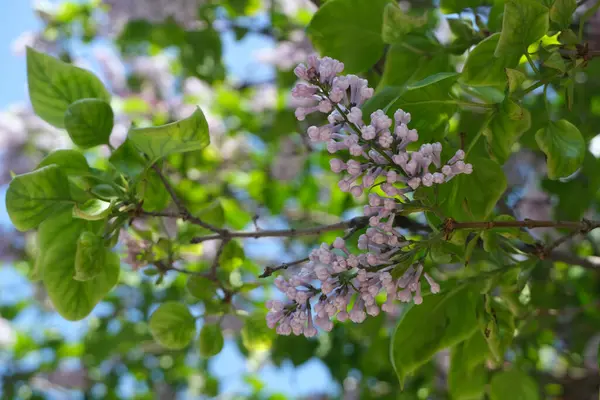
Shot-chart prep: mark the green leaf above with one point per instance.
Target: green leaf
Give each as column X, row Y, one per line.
column 350, row 31
column 396, row 23
column 127, row 159
column 513, row 385
column 555, row 61
column 441, row 321
column 89, row 122
column 201, row 287
column 467, row 376
column 153, row 191
column 465, row 35
column 190, row 134
column 57, row 243
column 33, row 197
column 172, row 325
column 482, row 68
column 505, row 128
column 562, row 12
column 232, row 257
column 564, row 147
column 71, row 162
column 105, row 191
column 256, row 335
column 525, row 21
column 456, row 6
column 515, row 79
column 92, row 210
column 211, row 340
column 462, row 202
column 90, row 256
column 402, row 65
column 55, row 85
column 429, row 103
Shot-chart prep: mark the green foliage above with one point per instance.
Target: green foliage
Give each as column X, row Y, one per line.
column 89, row 122
column 483, row 68
column 396, row 24
column 55, row 85
column 59, row 262
column 525, row 21
column 505, row 128
column 172, row 325
column 210, row 341
column 463, row 202
column 350, row 31
column 71, row 162
column 90, row 256
column 467, row 376
column 456, row 6
column 562, row 11
column 429, row 103
column 451, row 318
column 35, row 196
column 499, row 316
column 256, row 335
column 513, row 385
column 564, row 147
column 201, row 287
column 190, row 134
column 92, row 210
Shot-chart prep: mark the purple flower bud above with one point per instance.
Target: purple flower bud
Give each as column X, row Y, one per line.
column 337, row 165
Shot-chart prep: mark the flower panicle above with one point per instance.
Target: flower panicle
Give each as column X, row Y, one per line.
column 336, row 283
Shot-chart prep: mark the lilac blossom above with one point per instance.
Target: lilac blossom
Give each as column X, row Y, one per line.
column 336, row 283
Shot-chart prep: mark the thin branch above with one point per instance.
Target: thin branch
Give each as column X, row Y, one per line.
column 215, row 263
column 357, row 222
column 178, row 203
column 558, row 256
column 269, row 270
column 583, row 226
column 183, row 211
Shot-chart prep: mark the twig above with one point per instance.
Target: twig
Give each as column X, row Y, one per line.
column 178, row 203
column 269, row 270
column 215, row 263
column 557, row 256
column 451, row 225
column 183, row 211
column 357, row 222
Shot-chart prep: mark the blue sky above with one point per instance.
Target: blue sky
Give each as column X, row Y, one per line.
column 12, row 67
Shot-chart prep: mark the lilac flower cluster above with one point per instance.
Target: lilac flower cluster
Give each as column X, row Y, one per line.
column 335, row 282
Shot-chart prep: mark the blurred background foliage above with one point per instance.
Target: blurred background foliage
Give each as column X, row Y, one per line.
column 235, row 59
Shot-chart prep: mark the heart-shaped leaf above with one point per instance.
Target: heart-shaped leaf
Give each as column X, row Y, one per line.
column 35, row 196
column 54, row 85
column 89, row 122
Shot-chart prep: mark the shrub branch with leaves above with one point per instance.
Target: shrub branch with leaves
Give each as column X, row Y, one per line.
column 432, row 193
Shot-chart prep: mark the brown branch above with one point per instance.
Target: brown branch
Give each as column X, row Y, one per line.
column 183, row 211
column 558, row 256
column 215, row 263
column 583, row 226
column 269, row 270
column 357, row 222
column 357, row 226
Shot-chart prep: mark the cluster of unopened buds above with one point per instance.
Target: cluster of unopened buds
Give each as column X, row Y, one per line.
column 378, row 153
